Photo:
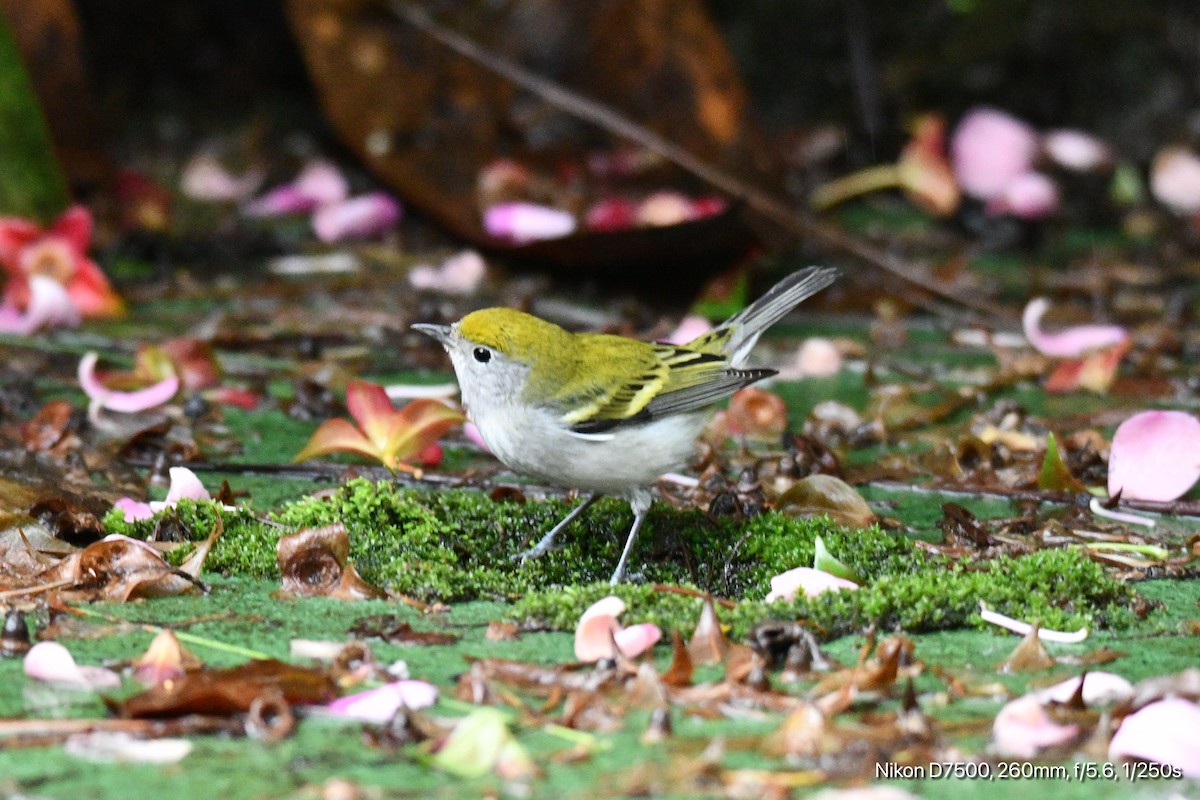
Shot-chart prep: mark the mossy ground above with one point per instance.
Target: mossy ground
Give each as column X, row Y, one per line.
column 451, row 546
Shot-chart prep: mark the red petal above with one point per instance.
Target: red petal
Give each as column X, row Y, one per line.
column 75, row 225
column 372, row 409
column 91, row 291
column 15, row 235
column 418, row 425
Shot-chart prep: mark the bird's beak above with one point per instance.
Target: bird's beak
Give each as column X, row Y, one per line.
column 439, row 332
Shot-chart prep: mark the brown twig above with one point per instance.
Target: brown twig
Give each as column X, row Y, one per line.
column 766, row 205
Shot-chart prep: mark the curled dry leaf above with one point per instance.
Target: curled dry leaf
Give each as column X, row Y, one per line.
column 1028, row 656
column 757, row 414
column 824, row 494
column 313, row 563
column 119, row 569
column 708, row 644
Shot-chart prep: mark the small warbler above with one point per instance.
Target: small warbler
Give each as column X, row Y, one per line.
column 598, row 412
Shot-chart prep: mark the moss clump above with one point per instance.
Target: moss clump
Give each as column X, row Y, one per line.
column 457, row 545
column 1059, row 588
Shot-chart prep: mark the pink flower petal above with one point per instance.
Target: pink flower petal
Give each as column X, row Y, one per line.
column 989, row 150
column 126, row 402
column 1070, row 342
column 786, row 585
column 1175, row 180
column 527, row 222
column 52, row 663
column 381, row 704
column 359, row 217
column 1031, row 195
column 1076, row 150
column 471, row 432
column 318, row 184
column 1164, row 732
column 460, row 274
column 185, row 486
column 1023, row 727
column 50, row 305
column 611, row 214
column 637, row 639
column 75, row 226
column 817, row 357
column 204, row 178
column 135, row 510
column 1098, row 688
column 689, row 328
column 1155, row 455
column 594, row 632
column 665, row 208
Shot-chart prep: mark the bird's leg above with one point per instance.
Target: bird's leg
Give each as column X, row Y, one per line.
column 542, row 547
column 640, row 503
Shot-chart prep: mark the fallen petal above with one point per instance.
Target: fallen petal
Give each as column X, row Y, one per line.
column 359, row 217
column 1098, row 688
column 756, row 413
column 1155, row 455
column 812, row 582
column 319, row 183
column 665, row 208
column 1163, row 732
column 206, row 179
column 1023, row 727
column 989, row 150
column 1076, row 150
column 1028, row 196
column 50, row 305
column 162, row 661
column 1070, row 342
column 527, row 222
column 1023, row 628
column 135, row 510
column 127, row 402
column 381, row 704
column 689, row 328
column 637, row 639
column 1175, row 180
column 460, row 274
column 185, row 486
column 817, row 357
column 595, row 629
column 52, row 663
column 121, row 747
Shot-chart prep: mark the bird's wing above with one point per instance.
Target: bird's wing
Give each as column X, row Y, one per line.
column 676, row 380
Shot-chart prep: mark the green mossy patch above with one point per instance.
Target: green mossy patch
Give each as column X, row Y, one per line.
column 456, row 545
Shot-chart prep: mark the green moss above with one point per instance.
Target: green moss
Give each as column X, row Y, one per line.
column 457, row 545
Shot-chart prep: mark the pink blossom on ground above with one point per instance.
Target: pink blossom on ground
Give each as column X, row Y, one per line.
column 691, row 327
column 1069, row 342
column 1099, row 688
column 127, row 402
column 1076, row 150
column 184, row 486
column 527, row 222
column 1164, row 732
column 320, row 183
column 990, row 149
column 598, row 628
column 134, row 510
column 665, row 208
column 58, row 252
column 611, row 214
column 1023, row 727
column 359, row 217
column 205, row 178
column 810, row 581
column 817, row 357
column 459, row 274
column 381, row 704
column 49, row 306
column 52, row 663
column 1030, row 195
column 1175, row 180
column 1155, row 455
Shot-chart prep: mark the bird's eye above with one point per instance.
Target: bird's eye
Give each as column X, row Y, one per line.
column 482, row 355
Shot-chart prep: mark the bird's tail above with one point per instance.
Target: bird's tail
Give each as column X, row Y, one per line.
column 738, row 335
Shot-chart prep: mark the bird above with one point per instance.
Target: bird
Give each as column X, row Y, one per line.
column 598, row 412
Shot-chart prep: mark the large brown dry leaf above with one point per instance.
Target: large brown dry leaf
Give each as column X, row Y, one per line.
column 313, row 563
column 116, row 569
column 229, row 691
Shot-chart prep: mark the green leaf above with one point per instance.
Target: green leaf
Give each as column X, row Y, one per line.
column 824, row 561
column 31, row 181
column 1055, row 476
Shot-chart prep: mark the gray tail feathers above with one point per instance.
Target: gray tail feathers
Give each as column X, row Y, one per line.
column 749, row 323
